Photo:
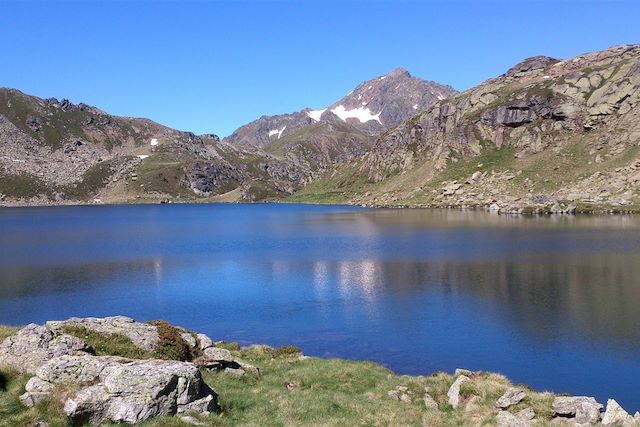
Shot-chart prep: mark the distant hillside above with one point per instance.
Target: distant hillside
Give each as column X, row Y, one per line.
column 546, row 132
column 56, row 152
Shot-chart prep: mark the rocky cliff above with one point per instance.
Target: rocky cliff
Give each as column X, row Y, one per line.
column 545, row 132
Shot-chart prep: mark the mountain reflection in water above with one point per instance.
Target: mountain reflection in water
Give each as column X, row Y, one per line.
column 549, row 301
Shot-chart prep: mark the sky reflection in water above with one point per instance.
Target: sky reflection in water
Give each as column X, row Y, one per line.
column 552, row 302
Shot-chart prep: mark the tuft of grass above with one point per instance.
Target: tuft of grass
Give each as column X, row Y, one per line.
column 171, row 345
column 232, row 346
column 13, row 413
column 5, row 331
column 108, row 345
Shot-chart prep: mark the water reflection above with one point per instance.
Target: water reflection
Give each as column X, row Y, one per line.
column 548, row 301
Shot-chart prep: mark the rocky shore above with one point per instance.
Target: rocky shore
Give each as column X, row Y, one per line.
column 101, row 370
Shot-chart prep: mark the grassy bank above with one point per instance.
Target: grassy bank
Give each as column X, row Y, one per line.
column 296, row 390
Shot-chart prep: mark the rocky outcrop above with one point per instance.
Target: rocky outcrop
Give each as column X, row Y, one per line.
column 453, row 395
column 616, row 415
column 111, row 388
column 512, row 396
column 585, row 410
column 34, row 345
column 121, row 390
column 538, row 132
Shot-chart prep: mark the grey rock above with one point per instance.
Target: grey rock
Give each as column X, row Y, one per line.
column 584, row 409
column 130, row 390
column 507, row 419
column 587, row 413
column 36, row 390
column 34, row 123
column 34, row 345
column 394, row 394
column 405, row 398
column 453, row 394
column 514, row 116
column 430, row 402
column 615, row 414
column 526, row 414
column 143, row 335
column 218, row 354
column 205, row 341
column 510, row 397
column 189, row 339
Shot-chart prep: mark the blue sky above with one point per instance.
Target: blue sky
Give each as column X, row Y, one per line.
column 211, row 66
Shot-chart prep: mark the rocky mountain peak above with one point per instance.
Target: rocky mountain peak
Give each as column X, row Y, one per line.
column 372, row 107
column 399, row 72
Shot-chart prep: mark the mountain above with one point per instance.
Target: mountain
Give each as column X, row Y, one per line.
column 546, row 133
column 56, row 151
column 372, row 107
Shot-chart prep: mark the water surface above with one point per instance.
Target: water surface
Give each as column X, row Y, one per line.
column 550, row 302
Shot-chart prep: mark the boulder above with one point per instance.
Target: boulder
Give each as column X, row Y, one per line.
column 526, row 414
column 204, row 341
column 33, row 345
column 114, row 389
column 510, row 397
column 584, row 409
column 430, row 402
column 454, row 391
column 507, row 419
column 143, row 335
column 615, row 415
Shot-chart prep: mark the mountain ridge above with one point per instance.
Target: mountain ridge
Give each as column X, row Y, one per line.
column 546, row 134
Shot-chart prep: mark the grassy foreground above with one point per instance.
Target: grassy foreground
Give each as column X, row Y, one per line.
column 294, row 390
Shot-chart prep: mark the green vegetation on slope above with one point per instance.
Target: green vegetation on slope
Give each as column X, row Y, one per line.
column 309, row 391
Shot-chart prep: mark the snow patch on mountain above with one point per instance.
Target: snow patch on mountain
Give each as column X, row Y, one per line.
column 277, row 132
column 315, row 114
column 362, row 114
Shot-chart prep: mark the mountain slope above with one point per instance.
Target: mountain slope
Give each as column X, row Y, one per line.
column 545, row 132
column 55, row 151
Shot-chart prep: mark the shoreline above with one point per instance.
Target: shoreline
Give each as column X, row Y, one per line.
column 251, row 377
column 500, row 208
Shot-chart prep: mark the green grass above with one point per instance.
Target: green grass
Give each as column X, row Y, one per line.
column 5, row 331
column 162, row 173
column 171, row 346
column 293, row 391
column 334, row 189
column 22, row 185
column 93, row 180
column 105, row 345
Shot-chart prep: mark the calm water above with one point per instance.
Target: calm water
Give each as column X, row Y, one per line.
column 551, row 302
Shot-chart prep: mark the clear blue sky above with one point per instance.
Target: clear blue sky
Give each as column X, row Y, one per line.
column 211, row 66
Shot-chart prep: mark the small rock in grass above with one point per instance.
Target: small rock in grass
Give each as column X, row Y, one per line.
column 526, row 414
column 405, row 398
column 507, row 419
column 430, row 402
column 454, row 391
column 510, row 397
